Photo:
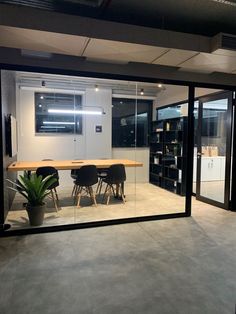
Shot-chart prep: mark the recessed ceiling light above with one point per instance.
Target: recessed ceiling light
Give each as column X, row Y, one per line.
column 159, row 85
column 142, row 91
column 96, row 88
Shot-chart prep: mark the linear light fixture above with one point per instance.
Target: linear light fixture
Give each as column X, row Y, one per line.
column 59, row 111
column 59, row 122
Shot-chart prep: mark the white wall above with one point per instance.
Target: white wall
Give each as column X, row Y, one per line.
column 66, row 146
column 98, row 145
column 141, row 154
column 89, row 145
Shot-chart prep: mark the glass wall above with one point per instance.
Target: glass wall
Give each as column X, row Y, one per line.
column 71, row 122
column 168, row 149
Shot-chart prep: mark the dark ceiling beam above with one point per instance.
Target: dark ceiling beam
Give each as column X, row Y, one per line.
column 10, row 58
column 31, row 18
column 104, row 7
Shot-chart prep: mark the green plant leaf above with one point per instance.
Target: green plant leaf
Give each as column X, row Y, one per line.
column 34, row 188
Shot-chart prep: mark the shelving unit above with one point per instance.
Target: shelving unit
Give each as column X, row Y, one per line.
column 168, row 153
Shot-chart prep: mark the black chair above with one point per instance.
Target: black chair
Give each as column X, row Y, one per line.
column 86, row 177
column 73, row 174
column 102, row 174
column 115, row 176
column 46, row 171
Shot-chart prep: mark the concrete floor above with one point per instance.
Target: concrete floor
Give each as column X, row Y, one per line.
column 184, row 265
column 142, row 199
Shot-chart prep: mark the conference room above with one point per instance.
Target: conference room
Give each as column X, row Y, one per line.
column 71, row 123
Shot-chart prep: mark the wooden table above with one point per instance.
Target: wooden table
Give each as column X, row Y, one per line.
column 70, row 164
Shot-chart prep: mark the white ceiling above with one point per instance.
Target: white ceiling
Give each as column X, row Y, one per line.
column 114, row 51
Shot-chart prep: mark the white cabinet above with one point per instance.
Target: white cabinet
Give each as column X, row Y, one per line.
column 212, row 168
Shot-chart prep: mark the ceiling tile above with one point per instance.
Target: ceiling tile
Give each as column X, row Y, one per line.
column 42, row 41
column 207, row 61
column 120, row 51
column 174, row 57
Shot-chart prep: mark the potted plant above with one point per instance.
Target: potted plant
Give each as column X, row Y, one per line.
column 34, row 188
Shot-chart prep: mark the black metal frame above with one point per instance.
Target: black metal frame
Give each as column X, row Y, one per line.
column 233, row 154
column 190, row 145
column 222, row 95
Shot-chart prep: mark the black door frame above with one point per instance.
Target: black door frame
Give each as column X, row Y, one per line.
column 221, row 95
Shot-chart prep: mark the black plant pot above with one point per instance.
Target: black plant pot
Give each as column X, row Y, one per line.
column 36, row 214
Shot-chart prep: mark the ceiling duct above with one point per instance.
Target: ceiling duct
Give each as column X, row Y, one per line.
column 224, row 44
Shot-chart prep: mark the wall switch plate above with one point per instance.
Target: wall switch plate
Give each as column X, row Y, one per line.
column 98, row 128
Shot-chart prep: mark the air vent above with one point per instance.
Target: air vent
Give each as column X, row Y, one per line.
column 228, row 42
column 36, row 54
column 224, row 44
column 89, row 3
column 52, row 5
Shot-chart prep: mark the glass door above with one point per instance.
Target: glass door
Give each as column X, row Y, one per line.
column 213, row 151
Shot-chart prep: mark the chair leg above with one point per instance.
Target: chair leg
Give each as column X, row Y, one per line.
column 100, row 189
column 98, row 186
column 104, row 194
column 112, row 188
column 74, row 190
column 122, row 194
column 92, row 195
column 109, row 194
column 55, row 190
column 75, row 193
column 79, row 195
column 117, row 190
column 54, row 200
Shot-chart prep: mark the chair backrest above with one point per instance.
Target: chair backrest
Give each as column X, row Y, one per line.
column 46, row 171
column 48, row 159
column 73, row 173
column 116, row 174
column 87, row 176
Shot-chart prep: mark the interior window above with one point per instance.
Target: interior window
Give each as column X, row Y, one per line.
column 58, row 113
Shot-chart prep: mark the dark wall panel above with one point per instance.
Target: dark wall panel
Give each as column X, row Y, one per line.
column 8, row 106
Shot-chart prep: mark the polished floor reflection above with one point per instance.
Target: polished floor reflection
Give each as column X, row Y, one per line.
column 214, row 190
column 142, row 199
